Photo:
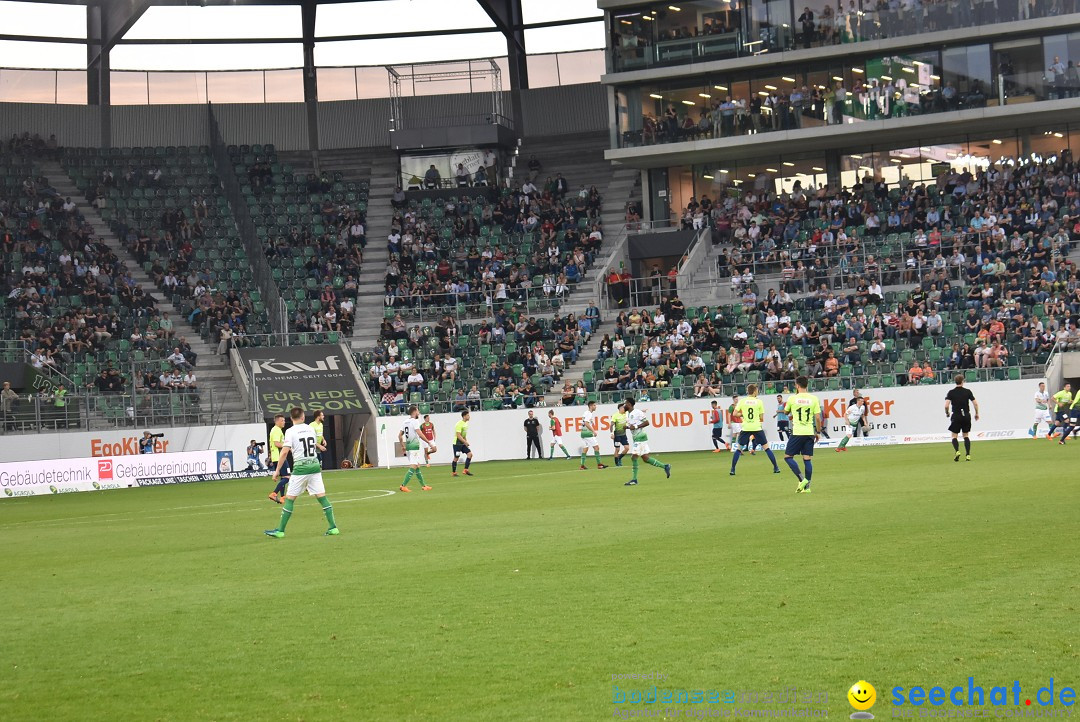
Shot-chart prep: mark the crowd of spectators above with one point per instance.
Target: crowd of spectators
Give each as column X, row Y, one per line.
column 317, row 233
column 529, row 243
column 506, row 361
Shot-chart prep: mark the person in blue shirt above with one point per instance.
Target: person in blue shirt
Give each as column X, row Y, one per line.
column 783, row 420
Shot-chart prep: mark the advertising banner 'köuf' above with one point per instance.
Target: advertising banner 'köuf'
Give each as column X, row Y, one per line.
column 312, row 377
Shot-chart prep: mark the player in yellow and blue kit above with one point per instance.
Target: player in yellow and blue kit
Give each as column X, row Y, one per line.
column 752, row 412
column 805, row 411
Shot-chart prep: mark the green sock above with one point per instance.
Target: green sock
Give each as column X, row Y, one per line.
column 328, row 510
column 583, row 453
column 408, row 476
column 635, row 464
column 843, row 442
column 551, row 452
column 420, row 476
column 596, row 453
column 286, row 514
column 655, row 462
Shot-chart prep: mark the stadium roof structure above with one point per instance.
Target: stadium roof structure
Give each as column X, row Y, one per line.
column 109, row 21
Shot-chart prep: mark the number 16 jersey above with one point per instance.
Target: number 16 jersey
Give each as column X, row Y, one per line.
column 300, row 438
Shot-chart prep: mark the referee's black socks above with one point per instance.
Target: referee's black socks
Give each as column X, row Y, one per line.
column 956, row 444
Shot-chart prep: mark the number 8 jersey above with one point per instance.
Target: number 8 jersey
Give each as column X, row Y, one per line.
column 301, row 439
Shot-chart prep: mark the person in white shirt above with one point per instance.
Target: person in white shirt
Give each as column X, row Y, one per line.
column 1042, row 412
column 189, row 381
column 590, row 435
column 302, row 445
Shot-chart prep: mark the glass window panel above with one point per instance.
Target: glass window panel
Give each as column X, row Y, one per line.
column 583, row 67
column 588, row 36
column 71, row 87
column 128, row 88
column 28, row 86
column 58, row 21
column 372, row 83
column 394, row 16
column 280, row 21
column 207, row 57
column 336, row 83
column 543, row 71
column 167, row 88
column 967, row 68
column 394, row 51
column 284, row 86
column 542, row 11
column 241, row 87
column 25, row 54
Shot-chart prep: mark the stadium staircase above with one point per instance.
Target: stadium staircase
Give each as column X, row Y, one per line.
column 211, row 370
column 371, row 286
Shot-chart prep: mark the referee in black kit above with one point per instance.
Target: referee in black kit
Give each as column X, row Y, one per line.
column 532, row 437
column 958, row 403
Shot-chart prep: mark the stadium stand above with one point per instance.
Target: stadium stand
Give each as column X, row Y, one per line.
column 976, row 266
column 313, row 228
column 154, row 211
column 480, row 256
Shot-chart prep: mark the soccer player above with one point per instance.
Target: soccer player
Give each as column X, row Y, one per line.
column 957, row 408
column 317, row 426
column 589, row 426
column 856, row 409
column 300, row 444
column 783, row 427
column 618, row 434
column 805, row 411
column 752, row 412
column 411, row 436
column 734, row 420
column 1042, row 412
column 277, row 441
column 1062, row 400
column 716, row 418
column 461, row 445
column 637, row 422
column 429, row 431
column 1073, row 420
column 556, row 435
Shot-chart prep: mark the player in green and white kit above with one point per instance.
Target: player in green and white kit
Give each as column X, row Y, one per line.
column 636, row 423
column 411, row 436
column 856, row 410
column 589, row 426
column 618, row 434
column 1042, row 411
column 302, row 445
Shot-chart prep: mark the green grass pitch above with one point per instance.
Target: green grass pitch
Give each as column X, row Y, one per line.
column 518, row 593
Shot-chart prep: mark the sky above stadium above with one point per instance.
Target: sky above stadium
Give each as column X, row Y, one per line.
column 384, row 16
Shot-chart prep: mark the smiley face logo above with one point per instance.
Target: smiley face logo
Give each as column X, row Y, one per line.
column 862, row 695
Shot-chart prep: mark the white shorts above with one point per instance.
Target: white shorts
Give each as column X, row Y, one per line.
column 590, row 442
column 639, row 448
column 1043, row 415
column 736, row 429
column 415, row 456
column 312, row 483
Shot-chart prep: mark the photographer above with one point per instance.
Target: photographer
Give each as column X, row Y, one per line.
column 254, row 456
column 147, row 442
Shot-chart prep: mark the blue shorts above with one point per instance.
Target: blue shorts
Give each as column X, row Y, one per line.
column 460, row 449
column 621, row 440
column 800, row 446
column 286, row 468
column 1063, row 416
column 718, row 432
column 757, row 436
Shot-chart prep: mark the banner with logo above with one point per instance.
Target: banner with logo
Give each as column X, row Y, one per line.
column 61, row 476
column 904, row 414
column 125, row 442
column 318, row 377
